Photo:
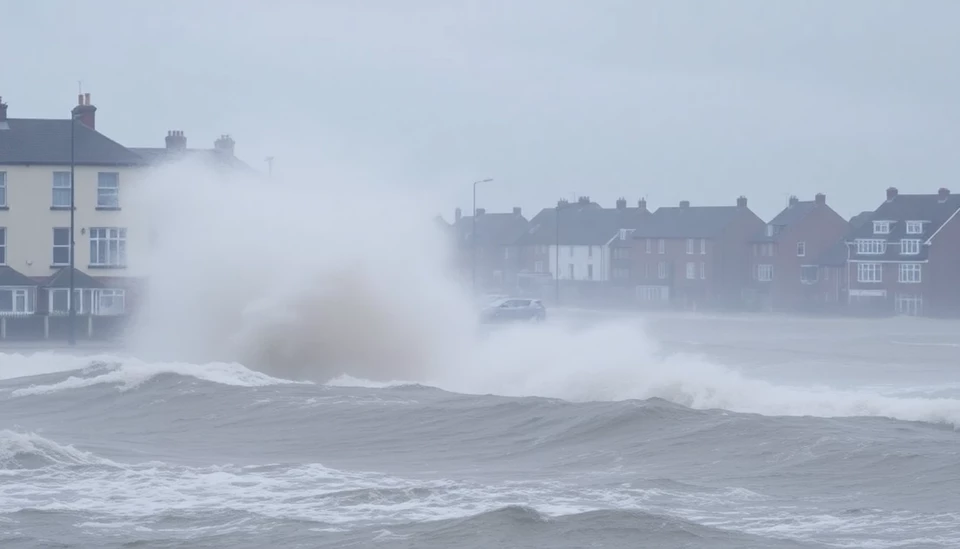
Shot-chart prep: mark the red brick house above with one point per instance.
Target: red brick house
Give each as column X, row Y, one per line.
column 694, row 256
column 906, row 260
column 786, row 268
column 492, row 251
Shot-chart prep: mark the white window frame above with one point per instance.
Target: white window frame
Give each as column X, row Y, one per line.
column 764, row 273
column 871, row 246
column 111, row 294
column 649, row 246
column 809, row 268
column 3, row 189
column 870, row 273
column 538, row 266
column 113, row 256
column 3, row 245
column 691, row 270
column 108, row 190
column 690, row 244
column 20, row 292
column 914, row 227
column 881, row 227
column 910, row 273
column 56, row 246
column 61, row 190
column 662, row 270
column 703, row 246
column 703, row 271
column 801, row 249
column 84, row 298
column 910, row 246
column 661, row 246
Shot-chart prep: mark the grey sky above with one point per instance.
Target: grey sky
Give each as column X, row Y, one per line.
column 674, row 100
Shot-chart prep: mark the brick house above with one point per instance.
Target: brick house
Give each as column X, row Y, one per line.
column 906, row 260
column 694, row 256
column 786, row 257
column 492, row 251
column 584, row 246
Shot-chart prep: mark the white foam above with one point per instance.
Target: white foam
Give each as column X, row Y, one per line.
column 15, row 446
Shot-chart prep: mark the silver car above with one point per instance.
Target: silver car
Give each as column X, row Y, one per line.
column 514, row 309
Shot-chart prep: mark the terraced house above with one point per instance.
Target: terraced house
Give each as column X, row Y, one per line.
column 111, row 240
column 906, row 259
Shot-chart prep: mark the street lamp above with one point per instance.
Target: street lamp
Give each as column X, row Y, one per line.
column 473, row 237
column 561, row 204
column 71, row 337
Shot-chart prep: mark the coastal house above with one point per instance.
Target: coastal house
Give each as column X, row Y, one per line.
column 693, row 256
column 906, row 259
column 486, row 247
column 787, row 256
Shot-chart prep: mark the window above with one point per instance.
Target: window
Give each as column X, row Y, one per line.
column 110, row 302
column 108, row 190
column 769, row 230
column 871, row 246
column 662, row 270
column 764, row 273
column 60, row 300
column 703, row 246
column 108, row 247
column 3, row 245
column 661, row 246
column 589, row 272
column 703, row 271
column 589, row 251
column 623, row 234
column 17, row 300
column 649, row 245
column 61, row 246
column 910, row 273
column 869, row 272
column 801, row 249
column 914, row 227
column 690, row 242
column 881, row 227
column 538, row 267
column 61, row 189
column 809, row 274
column 3, row 189
column 909, row 246
column 621, row 253
column 691, row 270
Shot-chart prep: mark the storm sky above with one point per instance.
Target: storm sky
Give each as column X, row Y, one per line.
column 670, row 100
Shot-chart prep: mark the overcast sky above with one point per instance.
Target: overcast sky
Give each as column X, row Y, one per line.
column 672, row 100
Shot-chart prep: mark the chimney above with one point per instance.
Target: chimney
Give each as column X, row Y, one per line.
column 562, row 202
column 516, row 210
column 176, row 141
column 85, row 112
column 224, row 144
column 584, row 200
column 642, row 203
column 684, row 203
column 3, row 111
column 820, row 199
column 621, row 203
column 794, row 201
column 457, row 214
column 891, row 193
column 742, row 202
column 943, row 194
column 481, row 211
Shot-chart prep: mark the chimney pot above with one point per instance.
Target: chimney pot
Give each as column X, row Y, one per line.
column 85, row 112
column 820, row 198
column 224, row 144
column 742, row 202
column 3, row 111
column 176, row 141
column 794, row 200
column 943, row 194
column 457, row 214
column 684, row 203
column 481, row 211
column 621, row 203
column 516, row 210
column 642, row 203
column 892, row 193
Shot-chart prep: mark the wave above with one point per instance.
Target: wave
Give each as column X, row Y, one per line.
column 32, row 451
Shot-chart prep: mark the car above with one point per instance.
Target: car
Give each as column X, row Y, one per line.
column 514, row 309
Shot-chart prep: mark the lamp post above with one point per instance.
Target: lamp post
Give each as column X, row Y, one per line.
column 473, row 237
column 71, row 333
column 561, row 204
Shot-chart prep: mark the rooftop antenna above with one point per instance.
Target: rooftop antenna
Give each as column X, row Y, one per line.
column 80, row 87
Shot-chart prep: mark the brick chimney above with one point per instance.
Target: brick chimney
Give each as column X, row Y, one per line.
column 891, row 193
column 794, row 201
column 621, row 203
column 481, row 211
column 583, row 200
column 642, row 203
column 85, row 112
column 820, row 199
column 176, row 141
column 224, row 144
column 457, row 214
column 516, row 210
column 684, row 203
column 3, row 111
column 943, row 194
column 742, row 202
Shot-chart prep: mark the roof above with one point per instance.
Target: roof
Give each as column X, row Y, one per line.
column 61, row 279
column 858, row 220
column 210, row 157
column 581, row 224
column 688, row 222
column 47, row 142
column 793, row 213
column 930, row 209
column 11, row 277
column 493, row 229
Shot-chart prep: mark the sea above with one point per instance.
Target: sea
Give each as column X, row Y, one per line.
column 596, row 429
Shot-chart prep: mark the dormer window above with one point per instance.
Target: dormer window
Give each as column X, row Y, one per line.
column 914, row 227
column 881, row 227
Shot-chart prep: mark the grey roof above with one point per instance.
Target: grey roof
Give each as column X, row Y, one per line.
column 582, row 224
column 858, row 220
column 688, row 222
column 61, row 279
column 493, row 229
column 11, row 277
column 793, row 213
column 928, row 208
column 210, row 157
column 47, row 142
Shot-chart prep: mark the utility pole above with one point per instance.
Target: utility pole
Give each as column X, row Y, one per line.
column 72, row 337
column 473, row 237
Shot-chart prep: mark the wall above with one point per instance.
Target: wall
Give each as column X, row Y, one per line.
column 943, row 271
column 580, row 257
column 30, row 220
column 820, row 230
